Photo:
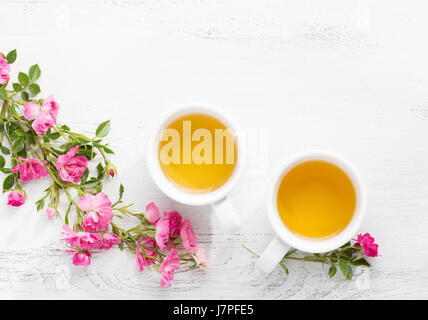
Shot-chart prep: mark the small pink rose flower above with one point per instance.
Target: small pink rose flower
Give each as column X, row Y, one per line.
column 370, row 249
column 82, row 240
column 162, row 232
column 30, row 169
column 174, row 222
column 44, row 116
column 199, row 254
column 4, row 70
column 98, row 212
column 15, row 199
column 152, row 213
column 51, row 212
column 81, row 258
column 187, row 235
column 109, row 240
column 167, row 268
column 111, row 173
column 141, row 260
column 71, row 166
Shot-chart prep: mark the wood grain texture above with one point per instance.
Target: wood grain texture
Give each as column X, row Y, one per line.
column 345, row 76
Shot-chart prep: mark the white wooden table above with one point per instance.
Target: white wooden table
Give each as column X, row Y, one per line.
column 348, row 76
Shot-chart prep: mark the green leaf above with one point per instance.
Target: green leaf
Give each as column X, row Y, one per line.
column 16, row 87
column 9, row 182
column 332, row 271
column 83, row 140
column 34, row 89
column 30, row 139
column 5, row 150
column 23, row 79
column 360, row 262
column 84, row 176
column 346, row 270
column 54, row 135
column 65, row 127
column 40, row 204
column 23, row 154
column 103, row 129
column 2, row 162
column 346, row 244
column 108, row 150
column 100, row 170
column 6, row 170
column 121, row 190
column 18, row 146
column 25, row 96
column 321, row 257
column 35, row 72
column 3, row 93
column 284, row 267
column 19, row 133
column 11, row 56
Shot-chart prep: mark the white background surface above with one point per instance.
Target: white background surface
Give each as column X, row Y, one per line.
column 348, row 76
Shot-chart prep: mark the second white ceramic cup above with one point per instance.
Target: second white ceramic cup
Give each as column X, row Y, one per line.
column 218, row 198
column 285, row 239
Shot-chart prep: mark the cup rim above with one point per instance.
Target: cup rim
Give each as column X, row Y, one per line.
column 165, row 185
column 317, row 245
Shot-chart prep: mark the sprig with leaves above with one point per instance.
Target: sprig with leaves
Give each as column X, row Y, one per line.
column 351, row 254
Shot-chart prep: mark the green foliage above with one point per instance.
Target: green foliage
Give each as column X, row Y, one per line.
column 103, row 129
column 23, row 79
column 3, row 93
column 8, row 182
column 34, row 72
column 11, row 56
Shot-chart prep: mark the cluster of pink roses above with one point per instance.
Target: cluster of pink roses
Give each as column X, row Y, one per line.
column 70, row 166
column 4, row 70
column 93, row 229
column 366, row 242
column 97, row 218
column 44, row 115
column 168, row 229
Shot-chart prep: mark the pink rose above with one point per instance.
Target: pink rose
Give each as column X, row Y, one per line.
column 98, row 212
column 71, row 167
column 141, row 260
column 4, row 70
column 80, row 258
column 109, row 240
column 51, row 212
column 167, row 268
column 370, row 249
column 44, row 116
column 30, row 169
column 199, row 254
column 187, row 235
column 15, row 199
column 82, row 240
column 174, row 222
column 162, row 232
column 111, row 173
column 152, row 213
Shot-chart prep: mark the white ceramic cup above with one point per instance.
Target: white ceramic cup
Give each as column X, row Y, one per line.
column 285, row 239
column 218, row 198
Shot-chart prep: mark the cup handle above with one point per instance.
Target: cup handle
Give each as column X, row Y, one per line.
column 272, row 255
column 226, row 213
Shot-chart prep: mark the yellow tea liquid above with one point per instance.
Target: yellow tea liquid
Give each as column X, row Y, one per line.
column 204, row 159
column 316, row 199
